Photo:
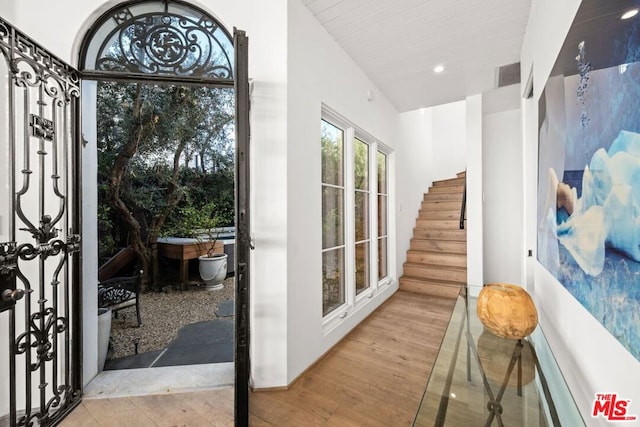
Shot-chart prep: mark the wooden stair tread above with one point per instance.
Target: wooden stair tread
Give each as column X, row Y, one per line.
column 435, row 266
column 455, row 246
column 450, row 181
column 442, row 196
column 439, row 223
column 430, row 281
column 455, row 189
column 437, row 257
column 441, row 205
column 441, row 288
column 440, row 234
column 428, row 252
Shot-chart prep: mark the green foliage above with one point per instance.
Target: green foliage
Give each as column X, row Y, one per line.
column 183, row 160
column 193, row 221
column 107, row 244
column 361, row 165
column 331, row 139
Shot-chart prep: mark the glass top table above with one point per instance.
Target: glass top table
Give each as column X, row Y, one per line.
column 480, row 379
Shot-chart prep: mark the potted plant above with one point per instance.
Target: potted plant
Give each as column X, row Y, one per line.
column 203, row 224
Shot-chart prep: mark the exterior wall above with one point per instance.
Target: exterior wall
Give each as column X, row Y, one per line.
column 592, row 361
column 320, row 72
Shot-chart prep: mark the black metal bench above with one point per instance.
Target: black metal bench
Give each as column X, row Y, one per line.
column 121, row 292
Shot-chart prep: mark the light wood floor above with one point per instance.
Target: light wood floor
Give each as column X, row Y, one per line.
column 200, row 408
column 373, row 377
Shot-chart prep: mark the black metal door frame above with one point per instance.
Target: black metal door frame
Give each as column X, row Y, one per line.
column 243, row 238
column 40, row 296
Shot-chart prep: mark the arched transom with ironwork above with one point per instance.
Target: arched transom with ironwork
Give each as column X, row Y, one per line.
column 158, row 40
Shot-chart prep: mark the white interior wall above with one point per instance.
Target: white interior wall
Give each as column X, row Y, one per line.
column 319, row 72
column 529, row 143
column 7, row 11
column 414, row 176
column 475, row 243
column 449, row 149
column 503, row 199
column 592, row 361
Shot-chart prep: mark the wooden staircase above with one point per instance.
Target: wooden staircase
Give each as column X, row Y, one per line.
column 437, row 256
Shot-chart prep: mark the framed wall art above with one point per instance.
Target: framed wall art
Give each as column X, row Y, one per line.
column 589, row 167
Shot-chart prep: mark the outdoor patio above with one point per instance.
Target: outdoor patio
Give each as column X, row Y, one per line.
column 179, row 327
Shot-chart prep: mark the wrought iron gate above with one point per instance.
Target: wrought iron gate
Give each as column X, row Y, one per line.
column 39, row 241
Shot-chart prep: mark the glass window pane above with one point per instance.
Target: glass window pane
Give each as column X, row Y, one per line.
column 332, row 217
column 362, row 216
column 382, row 173
column 382, row 258
column 332, row 154
column 332, row 280
column 361, row 165
column 382, row 215
column 362, row 267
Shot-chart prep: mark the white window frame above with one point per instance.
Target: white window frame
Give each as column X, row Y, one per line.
column 354, row 302
column 387, row 154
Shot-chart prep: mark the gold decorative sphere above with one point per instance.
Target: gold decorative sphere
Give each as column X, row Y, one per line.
column 507, row 310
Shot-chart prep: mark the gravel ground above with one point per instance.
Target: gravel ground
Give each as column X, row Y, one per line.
column 163, row 314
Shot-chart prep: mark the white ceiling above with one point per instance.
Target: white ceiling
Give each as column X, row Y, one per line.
column 398, row 43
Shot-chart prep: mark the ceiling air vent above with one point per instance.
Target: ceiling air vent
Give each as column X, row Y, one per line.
column 508, row 74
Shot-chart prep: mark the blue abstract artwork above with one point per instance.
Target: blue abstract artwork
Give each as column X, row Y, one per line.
column 589, row 168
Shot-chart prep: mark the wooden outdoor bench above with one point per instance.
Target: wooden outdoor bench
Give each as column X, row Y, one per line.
column 121, row 292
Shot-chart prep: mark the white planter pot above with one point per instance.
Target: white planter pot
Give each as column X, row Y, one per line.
column 213, row 270
column 104, row 332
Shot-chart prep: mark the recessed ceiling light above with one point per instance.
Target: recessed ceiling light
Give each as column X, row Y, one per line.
column 629, row 14
column 438, row 69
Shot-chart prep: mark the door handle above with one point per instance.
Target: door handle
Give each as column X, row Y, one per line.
column 12, row 295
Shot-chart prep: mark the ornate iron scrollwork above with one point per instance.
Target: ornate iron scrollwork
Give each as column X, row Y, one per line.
column 41, row 339
column 45, row 232
column 168, row 44
column 37, row 277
